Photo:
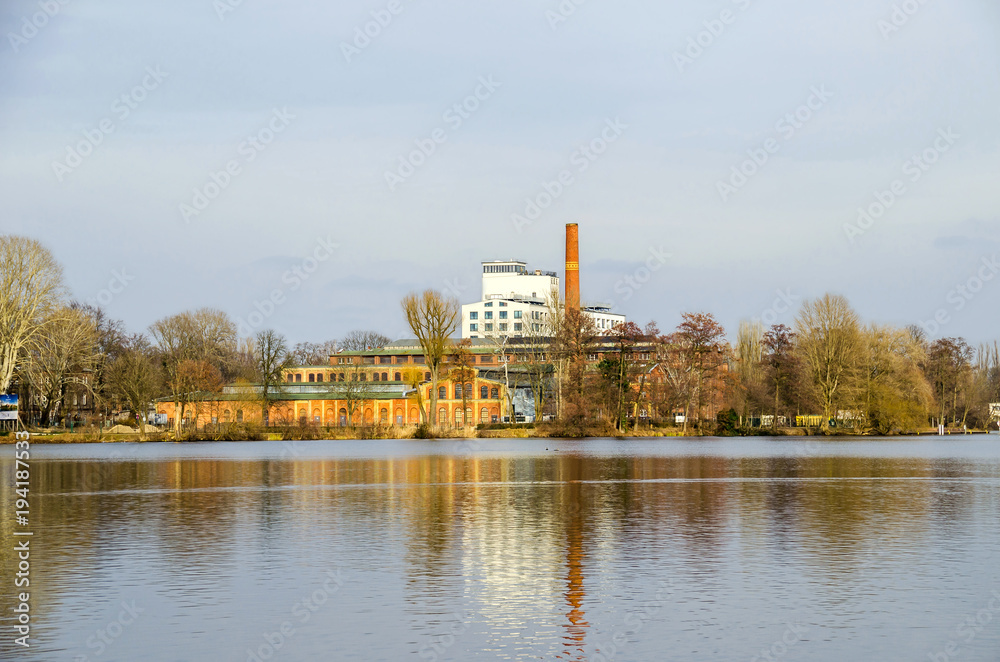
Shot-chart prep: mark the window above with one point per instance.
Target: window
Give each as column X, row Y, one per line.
column 488, row 315
column 484, row 415
column 442, row 392
column 502, row 326
column 483, row 391
column 396, row 377
column 474, row 315
column 298, row 377
column 473, row 327
column 384, row 415
column 362, row 377
column 535, row 327
column 494, row 393
column 488, row 304
column 375, row 377
column 458, row 391
column 290, row 377
column 239, row 415
column 319, row 376
column 312, row 377
column 591, row 357
column 517, row 326
column 385, row 359
column 442, row 415
column 487, row 327
column 340, row 377
column 517, row 314
column 427, row 376
column 385, row 376
column 503, row 314
column 486, row 359
column 503, row 304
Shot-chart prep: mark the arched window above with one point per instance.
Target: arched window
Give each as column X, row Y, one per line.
column 484, row 415
column 362, row 377
column 319, row 376
column 458, row 391
column 442, row 415
column 312, row 376
column 443, row 392
column 397, row 377
column 298, row 376
column 375, row 377
column 343, row 417
column 384, row 415
column 468, row 391
column 494, row 393
column 290, row 377
column 483, row 393
column 427, row 376
column 458, row 417
column 385, row 376
column 239, row 415
column 225, row 416
column 340, row 377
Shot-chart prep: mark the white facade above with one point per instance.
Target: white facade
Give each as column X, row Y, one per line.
column 603, row 318
column 516, row 303
column 511, row 279
column 498, row 317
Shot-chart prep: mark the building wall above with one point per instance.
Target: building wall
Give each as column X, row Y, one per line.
column 331, row 411
column 475, row 321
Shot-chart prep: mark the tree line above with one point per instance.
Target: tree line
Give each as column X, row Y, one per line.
column 828, row 364
column 57, row 353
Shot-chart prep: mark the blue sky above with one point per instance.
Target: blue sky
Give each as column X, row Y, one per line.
column 310, row 128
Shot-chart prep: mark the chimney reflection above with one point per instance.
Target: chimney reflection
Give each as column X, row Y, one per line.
column 576, row 628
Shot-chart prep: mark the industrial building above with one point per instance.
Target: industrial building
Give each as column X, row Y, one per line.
column 516, row 300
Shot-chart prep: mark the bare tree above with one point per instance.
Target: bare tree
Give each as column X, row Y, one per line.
column 781, row 364
column 749, row 373
column 829, row 342
column 360, row 340
column 204, row 335
column 31, row 291
column 134, row 378
column 111, row 340
column 433, row 319
column 63, row 353
column 414, row 378
column 271, row 357
column 463, row 372
column 309, row 353
column 574, row 343
column 700, row 348
column 354, row 392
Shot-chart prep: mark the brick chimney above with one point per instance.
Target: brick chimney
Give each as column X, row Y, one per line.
column 572, row 267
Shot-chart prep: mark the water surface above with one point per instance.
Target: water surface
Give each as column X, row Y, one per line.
column 703, row 549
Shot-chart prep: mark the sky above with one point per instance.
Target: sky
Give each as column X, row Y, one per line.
column 304, row 165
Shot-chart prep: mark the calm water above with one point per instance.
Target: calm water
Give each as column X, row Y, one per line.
column 512, row 549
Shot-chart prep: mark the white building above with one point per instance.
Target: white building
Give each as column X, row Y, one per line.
column 516, row 303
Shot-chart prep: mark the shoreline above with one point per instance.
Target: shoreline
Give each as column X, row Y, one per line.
column 372, row 434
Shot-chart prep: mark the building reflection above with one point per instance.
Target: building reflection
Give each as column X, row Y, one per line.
column 500, row 537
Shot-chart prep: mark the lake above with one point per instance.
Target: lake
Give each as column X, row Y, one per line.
column 528, row 549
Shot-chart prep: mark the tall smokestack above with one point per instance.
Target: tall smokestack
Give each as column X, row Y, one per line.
column 572, row 267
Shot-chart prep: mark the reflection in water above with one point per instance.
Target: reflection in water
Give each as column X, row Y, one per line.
column 510, row 554
column 575, row 593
